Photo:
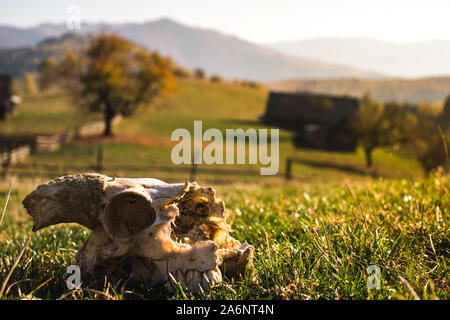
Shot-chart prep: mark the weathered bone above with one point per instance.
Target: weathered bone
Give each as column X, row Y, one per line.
column 144, row 229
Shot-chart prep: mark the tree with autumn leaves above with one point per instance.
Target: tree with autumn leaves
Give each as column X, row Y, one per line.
column 419, row 130
column 119, row 77
column 381, row 125
column 113, row 76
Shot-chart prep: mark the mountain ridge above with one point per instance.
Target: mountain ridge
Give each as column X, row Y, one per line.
column 193, row 47
column 423, row 58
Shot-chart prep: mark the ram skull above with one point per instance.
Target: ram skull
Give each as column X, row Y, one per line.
column 144, row 230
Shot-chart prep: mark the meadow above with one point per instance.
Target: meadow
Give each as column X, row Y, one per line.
column 144, row 138
column 314, row 236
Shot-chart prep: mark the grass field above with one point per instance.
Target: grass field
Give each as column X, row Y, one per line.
column 49, row 113
column 314, row 236
column 312, row 241
column 144, row 138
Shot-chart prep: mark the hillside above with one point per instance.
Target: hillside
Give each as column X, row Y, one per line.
column 210, row 50
column 314, row 236
column 403, row 90
column 143, row 139
column 416, row 59
column 27, row 59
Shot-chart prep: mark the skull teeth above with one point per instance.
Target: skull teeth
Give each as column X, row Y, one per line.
column 195, row 280
column 144, row 229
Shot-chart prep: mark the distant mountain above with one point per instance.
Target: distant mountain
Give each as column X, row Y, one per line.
column 11, row 37
column 191, row 47
column 418, row 59
column 14, row 37
column 25, row 59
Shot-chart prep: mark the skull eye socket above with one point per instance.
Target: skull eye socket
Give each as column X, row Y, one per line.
column 128, row 213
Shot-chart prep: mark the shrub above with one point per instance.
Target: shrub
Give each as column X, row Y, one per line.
column 215, row 78
column 199, row 74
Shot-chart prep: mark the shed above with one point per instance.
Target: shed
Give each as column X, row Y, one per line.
column 320, row 121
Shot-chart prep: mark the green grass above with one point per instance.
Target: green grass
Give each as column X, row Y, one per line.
column 314, row 236
column 48, row 113
column 144, row 138
column 312, row 242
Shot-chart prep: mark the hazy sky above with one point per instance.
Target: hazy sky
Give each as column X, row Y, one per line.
column 257, row 20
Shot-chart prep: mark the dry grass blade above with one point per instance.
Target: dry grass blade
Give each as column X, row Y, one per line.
column 71, row 292
column 40, row 286
column 417, row 207
column 409, row 287
column 15, row 283
column 444, row 144
column 326, row 238
column 268, row 249
column 5, row 282
column 328, row 247
column 363, row 216
column 7, row 200
column 136, row 294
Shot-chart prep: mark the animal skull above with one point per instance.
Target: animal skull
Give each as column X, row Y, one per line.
column 144, row 229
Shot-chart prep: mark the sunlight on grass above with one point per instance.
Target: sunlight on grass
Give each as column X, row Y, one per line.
column 312, row 241
column 314, row 236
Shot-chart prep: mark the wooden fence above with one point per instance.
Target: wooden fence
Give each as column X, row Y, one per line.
column 14, row 156
column 94, row 128
column 168, row 172
column 17, row 155
column 54, row 142
column 50, row 143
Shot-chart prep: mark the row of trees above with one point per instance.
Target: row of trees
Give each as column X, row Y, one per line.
column 113, row 76
column 421, row 131
column 199, row 74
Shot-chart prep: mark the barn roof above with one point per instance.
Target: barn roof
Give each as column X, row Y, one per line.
column 294, row 109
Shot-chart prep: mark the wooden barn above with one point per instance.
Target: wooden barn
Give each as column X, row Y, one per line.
column 7, row 101
column 320, row 121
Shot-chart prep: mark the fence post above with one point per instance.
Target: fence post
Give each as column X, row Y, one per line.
column 195, row 156
column 288, row 168
column 4, row 166
column 100, row 157
column 193, row 171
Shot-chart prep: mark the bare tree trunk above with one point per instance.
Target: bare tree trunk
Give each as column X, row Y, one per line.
column 109, row 116
column 368, row 153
